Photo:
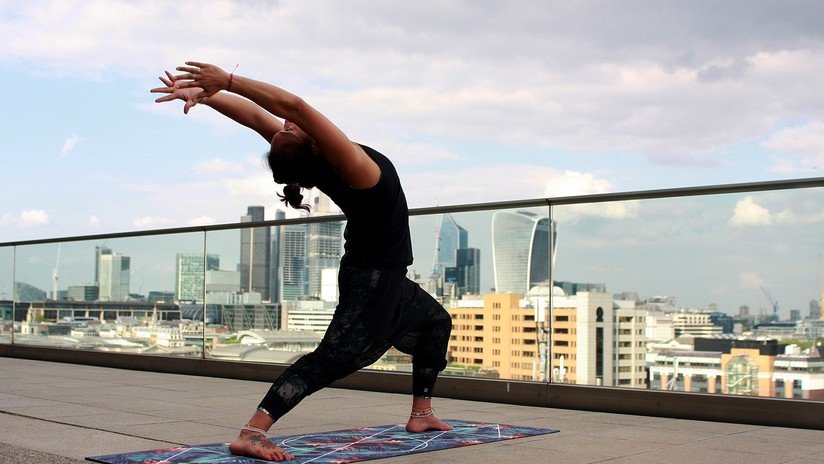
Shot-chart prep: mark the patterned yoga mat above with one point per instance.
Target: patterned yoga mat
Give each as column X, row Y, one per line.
column 339, row 447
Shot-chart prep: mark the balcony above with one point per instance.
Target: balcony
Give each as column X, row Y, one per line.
column 60, row 413
column 122, row 342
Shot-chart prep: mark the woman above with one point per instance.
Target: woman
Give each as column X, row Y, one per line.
column 379, row 307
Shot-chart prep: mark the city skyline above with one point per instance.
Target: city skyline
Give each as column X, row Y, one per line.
column 473, row 103
column 572, row 220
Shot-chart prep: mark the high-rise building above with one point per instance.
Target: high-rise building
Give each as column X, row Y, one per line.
column 293, row 271
column 98, row 251
column 114, row 276
column 450, row 238
column 274, row 262
column 583, row 339
column 222, row 281
column 468, row 265
column 190, row 275
column 325, row 246
column 815, row 309
column 520, row 250
column 497, row 334
column 629, row 363
column 24, row 293
column 255, row 254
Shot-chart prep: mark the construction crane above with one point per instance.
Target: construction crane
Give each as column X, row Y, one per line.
column 773, row 303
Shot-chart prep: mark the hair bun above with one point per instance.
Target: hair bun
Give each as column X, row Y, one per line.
column 292, row 197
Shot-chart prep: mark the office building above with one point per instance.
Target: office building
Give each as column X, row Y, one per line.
column 190, row 275
column 84, row 292
column 468, row 269
column 99, row 250
column 255, row 254
column 222, row 281
column 743, row 367
column 274, row 262
column 114, row 277
column 325, row 249
column 449, row 239
column 583, row 338
column 520, row 250
column 24, row 292
column 495, row 333
column 293, row 270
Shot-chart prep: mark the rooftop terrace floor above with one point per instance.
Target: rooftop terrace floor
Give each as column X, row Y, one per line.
column 61, row 413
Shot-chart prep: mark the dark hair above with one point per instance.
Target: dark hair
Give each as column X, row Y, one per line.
column 296, row 165
column 292, row 197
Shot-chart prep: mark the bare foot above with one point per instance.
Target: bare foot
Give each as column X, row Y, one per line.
column 422, row 424
column 256, row 445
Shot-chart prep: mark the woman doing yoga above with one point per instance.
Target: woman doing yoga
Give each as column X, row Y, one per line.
column 378, row 306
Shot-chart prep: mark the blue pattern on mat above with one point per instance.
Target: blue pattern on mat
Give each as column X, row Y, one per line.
column 339, row 447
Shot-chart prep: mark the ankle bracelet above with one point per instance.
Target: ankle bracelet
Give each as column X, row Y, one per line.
column 250, row 428
column 421, row 413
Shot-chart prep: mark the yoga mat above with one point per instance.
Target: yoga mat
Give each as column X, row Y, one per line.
column 339, row 447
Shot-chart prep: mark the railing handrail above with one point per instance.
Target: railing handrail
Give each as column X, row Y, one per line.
column 472, row 207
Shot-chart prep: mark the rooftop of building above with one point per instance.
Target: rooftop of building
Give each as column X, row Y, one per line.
column 60, row 413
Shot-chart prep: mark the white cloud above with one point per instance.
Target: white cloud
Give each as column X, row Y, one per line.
column 749, row 213
column 751, row 280
column 69, row 145
column 505, row 182
column 661, row 80
column 94, row 222
column 788, row 216
column 806, row 142
column 27, row 218
column 201, row 221
column 148, row 222
column 218, row 166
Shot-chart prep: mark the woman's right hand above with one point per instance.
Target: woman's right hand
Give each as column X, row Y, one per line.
column 175, row 91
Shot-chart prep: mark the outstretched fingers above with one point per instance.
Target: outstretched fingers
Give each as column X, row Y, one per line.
column 196, row 64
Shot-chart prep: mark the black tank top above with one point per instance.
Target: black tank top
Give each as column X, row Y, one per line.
column 377, row 227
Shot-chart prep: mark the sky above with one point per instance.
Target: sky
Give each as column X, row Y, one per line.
column 474, row 101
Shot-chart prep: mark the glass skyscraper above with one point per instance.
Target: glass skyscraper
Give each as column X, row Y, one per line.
column 255, row 254
column 520, row 250
column 293, row 270
column 450, row 238
column 325, row 245
column 114, row 275
column 190, row 275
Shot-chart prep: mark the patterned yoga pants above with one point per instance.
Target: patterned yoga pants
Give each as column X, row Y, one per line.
column 377, row 310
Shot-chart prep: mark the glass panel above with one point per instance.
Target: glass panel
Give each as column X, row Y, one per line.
column 489, row 269
column 717, row 294
column 6, row 293
column 116, row 295
column 274, row 292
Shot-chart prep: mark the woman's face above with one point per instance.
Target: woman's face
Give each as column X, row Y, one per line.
column 290, row 133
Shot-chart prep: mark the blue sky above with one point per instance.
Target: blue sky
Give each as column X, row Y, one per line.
column 474, row 101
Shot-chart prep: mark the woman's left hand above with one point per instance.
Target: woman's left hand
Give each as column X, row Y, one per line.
column 207, row 76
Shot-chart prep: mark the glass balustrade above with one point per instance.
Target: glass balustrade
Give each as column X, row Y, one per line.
column 709, row 293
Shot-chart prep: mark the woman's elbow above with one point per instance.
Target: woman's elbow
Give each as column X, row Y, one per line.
column 295, row 105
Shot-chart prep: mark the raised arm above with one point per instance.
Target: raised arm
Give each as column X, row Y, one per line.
column 353, row 165
column 236, row 108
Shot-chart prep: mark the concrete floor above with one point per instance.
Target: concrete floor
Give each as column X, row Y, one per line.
column 61, row 413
